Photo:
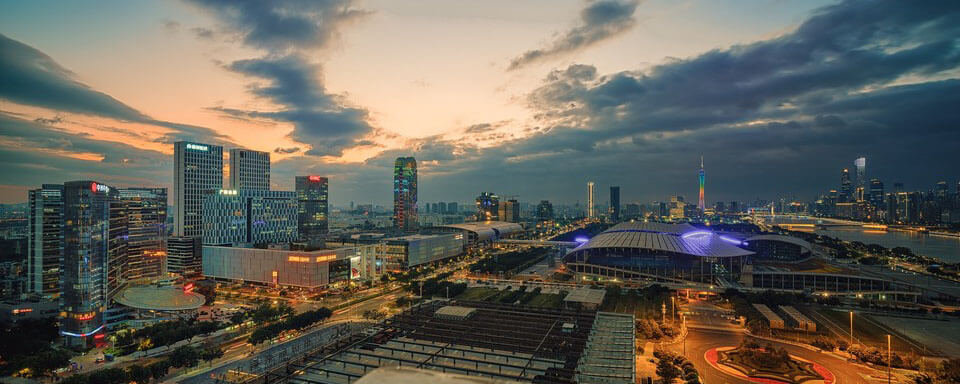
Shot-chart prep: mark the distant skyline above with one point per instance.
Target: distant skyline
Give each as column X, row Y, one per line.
column 531, row 99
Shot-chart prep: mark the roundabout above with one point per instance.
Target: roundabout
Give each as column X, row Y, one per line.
column 798, row 371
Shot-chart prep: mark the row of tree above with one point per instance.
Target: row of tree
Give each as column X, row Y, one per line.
column 299, row 321
column 184, row 356
column 510, row 261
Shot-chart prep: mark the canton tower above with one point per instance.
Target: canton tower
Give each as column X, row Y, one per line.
column 702, row 204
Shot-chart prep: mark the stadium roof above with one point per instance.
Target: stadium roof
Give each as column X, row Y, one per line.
column 487, row 230
column 676, row 238
column 786, row 239
column 151, row 297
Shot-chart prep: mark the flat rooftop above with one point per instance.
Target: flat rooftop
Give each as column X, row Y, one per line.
column 167, row 298
column 586, row 296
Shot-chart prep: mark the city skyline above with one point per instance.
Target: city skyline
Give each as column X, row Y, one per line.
column 803, row 109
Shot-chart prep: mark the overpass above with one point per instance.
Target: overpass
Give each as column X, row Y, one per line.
column 569, row 244
column 878, row 227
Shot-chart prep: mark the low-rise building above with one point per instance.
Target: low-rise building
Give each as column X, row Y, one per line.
column 411, row 251
column 311, row 270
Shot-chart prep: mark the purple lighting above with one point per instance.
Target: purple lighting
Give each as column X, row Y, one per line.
column 581, row 239
column 730, row 240
column 693, row 234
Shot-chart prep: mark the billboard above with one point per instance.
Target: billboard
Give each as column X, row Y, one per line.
column 355, row 267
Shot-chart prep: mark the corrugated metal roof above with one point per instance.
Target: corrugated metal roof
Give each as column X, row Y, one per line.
column 664, row 237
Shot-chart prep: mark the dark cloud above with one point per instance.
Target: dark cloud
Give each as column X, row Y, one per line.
column 30, row 77
column 480, row 128
column 289, row 150
column 202, row 33
column 600, row 20
column 282, row 24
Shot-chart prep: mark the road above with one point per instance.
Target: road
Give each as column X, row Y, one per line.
column 709, row 330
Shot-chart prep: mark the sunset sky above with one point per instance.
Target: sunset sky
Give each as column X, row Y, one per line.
column 533, row 98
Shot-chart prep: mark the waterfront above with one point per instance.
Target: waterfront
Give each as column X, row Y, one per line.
column 944, row 248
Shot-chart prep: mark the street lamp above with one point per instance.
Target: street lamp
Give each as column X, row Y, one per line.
column 673, row 308
column 889, row 359
column 851, row 328
column 663, row 312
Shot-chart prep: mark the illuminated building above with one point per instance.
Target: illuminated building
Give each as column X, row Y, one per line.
column 488, row 205
column 509, row 211
column 93, row 255
column 861, row 164
column 45, row 240
column 590, row 203
column 405, row 194
column 312, row 208
column 183, row 255
column 410, row 251
column 846, row 191
column 702, row 204
column 146, row 210
column 198, row 168
column 544, row 211
column 615, row 203
column 876, row 193
column 311, row 270
column 249, row 217
column 677, row 208
column 249, row 170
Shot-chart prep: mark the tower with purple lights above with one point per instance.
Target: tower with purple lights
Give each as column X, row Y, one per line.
column 702, row 204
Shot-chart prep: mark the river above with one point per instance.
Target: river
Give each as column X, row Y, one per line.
column 941, row 247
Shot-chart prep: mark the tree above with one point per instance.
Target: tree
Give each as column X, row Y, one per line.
column 184, row 356
column 667, row 371
column 374, row 314
column 211, row 354
column 159, row 369
column 238, row 318
column 138, row 373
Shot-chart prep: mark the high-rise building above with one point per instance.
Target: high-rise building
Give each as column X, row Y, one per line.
column 94, row 255
column 590, row 203
column 45, row 240
column 876, row 193
column 615, row 203
column 544, row 211
column 443, row 208
column 718, row 207
column 509, row 211
column 197, row 169
column 405, row 194
column 312, row 208
column 249, row 217
column 908, row 207
column 146, row 210
column 435, row 208
column 846, row 189
column 452, row 208
column 861, row 164
column 702, row 204
column 249, row 170
column 488, row 205
column 184, row 255
column 631, row 210
column 677, row 208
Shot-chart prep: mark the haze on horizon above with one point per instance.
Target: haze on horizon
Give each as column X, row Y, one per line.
column 532, row 98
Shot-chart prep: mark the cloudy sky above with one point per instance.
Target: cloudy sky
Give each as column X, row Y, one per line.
column 532, row 98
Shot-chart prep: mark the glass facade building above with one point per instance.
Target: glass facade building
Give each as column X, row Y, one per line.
column 45, row 240
column 248, row 217
column 146, row 210
column 198, row 168
column 312, row 208
column 249, row 170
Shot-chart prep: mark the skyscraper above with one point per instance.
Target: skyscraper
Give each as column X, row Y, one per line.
column 702, row 204
column 452, row 208
column 249, row 170
column 615, row 203
column 45, row 241
column 876, row 193
column 544, row 211
column 861, row 188
column 405, row 194
column 846, row 191
column 590, row 203
column 146, row 210
column 509, row 211
column 249, row 217
column 198, row 168
column 312, row 208
column 93, row 256
column 488, row 205
column 183, row 255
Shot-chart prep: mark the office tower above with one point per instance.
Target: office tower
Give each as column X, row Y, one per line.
column 590, row 203
column 452, row 207
column 677, row 207
column 718, row 207
column 312, row 208
column 45, row 241
column 876, row 193
column 184, row 255
column 249, row 169
column 249, row 217
column 631, row 210
column 908, row 207
column 488, row 205
column 146, row 210
column 405, row 194
column 615, row 203
column 509, row 211
column 435, row 208
column 861, row 164
column 734, row 207
column 94, row 253
column 940, row 190
column 846, row 191
column 702, row 204
column 544, row 211
column 197, row 168
column 443, row 208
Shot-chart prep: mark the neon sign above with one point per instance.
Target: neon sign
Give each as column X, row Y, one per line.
column 188, row 288
column 197, row 147
column 94, row 187
column 231, row 192
column 315, row 178
column 696, row 234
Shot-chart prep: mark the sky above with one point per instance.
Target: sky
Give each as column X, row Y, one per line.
column 531, row 98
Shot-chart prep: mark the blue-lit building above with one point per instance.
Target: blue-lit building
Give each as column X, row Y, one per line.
column 249, row 217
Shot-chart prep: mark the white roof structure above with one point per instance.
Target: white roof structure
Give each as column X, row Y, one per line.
column 676, row 238
column 487, row 230
column 453, row 312
column 151, row 297
column 586, row 295
column 786, row 239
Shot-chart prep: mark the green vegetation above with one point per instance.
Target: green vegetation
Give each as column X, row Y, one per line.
column 27, row 348
column 671, row 367
column 654, row 330
column 165, row 333
column 589, row 231
column 530, row 298
column 510, row 262
column 300, row 321
column 643, row 302
column 183, row 356
column 754, row 360
column 436, row 286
